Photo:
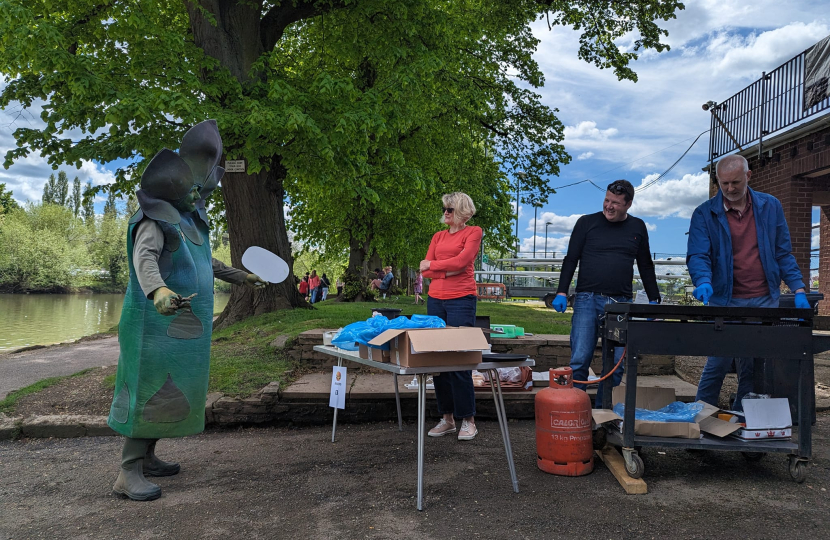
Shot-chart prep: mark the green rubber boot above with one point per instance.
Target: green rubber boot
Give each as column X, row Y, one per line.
column 131, row 482
column 153, row 466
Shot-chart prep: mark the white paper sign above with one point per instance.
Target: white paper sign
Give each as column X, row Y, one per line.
column 338, row 388
column 235, row 165
column 265, row 264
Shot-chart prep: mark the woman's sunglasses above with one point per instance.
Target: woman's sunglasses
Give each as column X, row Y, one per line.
column 448, row 210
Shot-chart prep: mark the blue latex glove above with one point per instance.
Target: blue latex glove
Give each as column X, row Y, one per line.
column 654, row 303
column 704, row 293
column 560, row 303
column 801, row 301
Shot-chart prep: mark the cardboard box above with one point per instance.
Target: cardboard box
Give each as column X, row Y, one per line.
column 427, row 347
column 766, row 419
column 377, row 354
column 657, row 398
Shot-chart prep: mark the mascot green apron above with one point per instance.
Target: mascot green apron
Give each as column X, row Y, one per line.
column 166, row 320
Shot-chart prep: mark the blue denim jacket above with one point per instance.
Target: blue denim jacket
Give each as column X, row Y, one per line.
column 709, row 249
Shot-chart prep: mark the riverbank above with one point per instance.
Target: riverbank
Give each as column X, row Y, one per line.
column 30, row 320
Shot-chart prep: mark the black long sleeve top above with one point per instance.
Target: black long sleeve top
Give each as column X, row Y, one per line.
column 606, row 252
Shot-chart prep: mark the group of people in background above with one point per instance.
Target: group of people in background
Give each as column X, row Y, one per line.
column 314, row 288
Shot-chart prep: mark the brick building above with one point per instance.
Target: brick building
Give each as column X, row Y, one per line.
column 795, row 168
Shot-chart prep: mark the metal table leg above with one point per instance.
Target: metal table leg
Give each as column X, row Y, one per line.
column 398, row 401
column 334, row 424
column 505, row 434
column 422, row 403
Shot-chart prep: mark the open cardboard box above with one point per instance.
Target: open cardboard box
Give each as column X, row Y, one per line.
column 656, row 398
column 427, row 347
column 766, row 419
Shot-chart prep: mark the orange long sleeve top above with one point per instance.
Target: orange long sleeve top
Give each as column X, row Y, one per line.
column 450, row 252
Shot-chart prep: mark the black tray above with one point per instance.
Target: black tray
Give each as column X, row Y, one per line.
column 502, row 357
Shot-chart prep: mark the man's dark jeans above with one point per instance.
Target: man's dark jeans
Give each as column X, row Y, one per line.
column 454, row 391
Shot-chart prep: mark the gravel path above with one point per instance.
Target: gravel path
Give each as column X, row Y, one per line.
column 28, row 367
column 294, row 483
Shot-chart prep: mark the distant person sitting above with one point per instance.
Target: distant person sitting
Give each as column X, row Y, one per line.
column 382, row 285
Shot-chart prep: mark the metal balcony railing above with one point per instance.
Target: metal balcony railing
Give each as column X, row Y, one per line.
column 770, row 104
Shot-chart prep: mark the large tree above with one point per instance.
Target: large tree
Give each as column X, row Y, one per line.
column 7, row 202
column 131, row 76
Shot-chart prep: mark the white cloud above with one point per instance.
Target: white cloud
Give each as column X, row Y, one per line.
column 558, row 224
column 675, row 198
column 584, row 156
column 557, row 247
column 755, row 53
column 650, row 226
column 588, row 130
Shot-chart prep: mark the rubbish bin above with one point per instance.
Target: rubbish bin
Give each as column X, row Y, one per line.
column 389, row 313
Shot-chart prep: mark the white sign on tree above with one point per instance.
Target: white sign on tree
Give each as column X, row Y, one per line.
column 235, row 166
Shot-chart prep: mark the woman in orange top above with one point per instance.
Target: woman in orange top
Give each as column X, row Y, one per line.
column 452, row 296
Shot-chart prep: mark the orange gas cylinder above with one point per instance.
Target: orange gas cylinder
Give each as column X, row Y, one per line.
column 564, row 442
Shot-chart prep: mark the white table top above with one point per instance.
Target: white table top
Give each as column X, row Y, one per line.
column 354, row 356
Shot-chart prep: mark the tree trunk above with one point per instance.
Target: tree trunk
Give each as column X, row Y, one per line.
column 253, row 203
column 254, row 210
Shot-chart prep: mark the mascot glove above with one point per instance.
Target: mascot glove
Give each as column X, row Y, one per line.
column 801, row 301
column 163, row 301
column 704, row 293
column 254, row 281
column 560, row 303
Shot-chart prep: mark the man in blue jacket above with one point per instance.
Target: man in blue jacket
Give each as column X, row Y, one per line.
column 738, row 253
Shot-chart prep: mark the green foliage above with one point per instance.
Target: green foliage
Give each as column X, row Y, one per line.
column 42, row 248
column 49, row 189
column 367, row 114
column 89, row 206
column 77, row 199
column 354, row 286
column 61, row 193
column 7, row 203
column 45, row 248
column 110, row 208
column 325, row 263
column 222, row 252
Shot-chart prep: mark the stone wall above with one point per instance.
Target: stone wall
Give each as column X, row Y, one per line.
column 548, row 350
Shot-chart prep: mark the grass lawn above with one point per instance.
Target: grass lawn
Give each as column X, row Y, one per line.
column 242, row 361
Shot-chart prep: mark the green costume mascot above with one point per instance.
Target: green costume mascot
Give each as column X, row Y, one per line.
column 166, row 321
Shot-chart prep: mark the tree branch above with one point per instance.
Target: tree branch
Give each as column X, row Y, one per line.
column 274, row 23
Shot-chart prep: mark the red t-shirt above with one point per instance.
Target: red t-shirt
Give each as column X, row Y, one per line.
column 313, row 282
column 303, row 287
column 748, row 278
column 450, row 252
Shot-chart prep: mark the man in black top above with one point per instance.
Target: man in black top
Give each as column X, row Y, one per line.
column 605, row 245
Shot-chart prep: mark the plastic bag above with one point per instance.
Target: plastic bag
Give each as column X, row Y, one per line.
column 365, row 331
column 673, row 412
column 511, row 374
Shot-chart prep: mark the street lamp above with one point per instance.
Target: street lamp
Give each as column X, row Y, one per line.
column 535, row 208
column 547, row 224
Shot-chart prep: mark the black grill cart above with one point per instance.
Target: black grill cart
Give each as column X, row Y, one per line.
column 775, row 335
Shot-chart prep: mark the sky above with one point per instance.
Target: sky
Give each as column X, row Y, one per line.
column 614, row 129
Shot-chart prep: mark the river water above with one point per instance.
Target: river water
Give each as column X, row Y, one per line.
column 43, row 319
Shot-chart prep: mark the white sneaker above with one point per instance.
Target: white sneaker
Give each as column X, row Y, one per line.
column 442, row 429
column 468, row 431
